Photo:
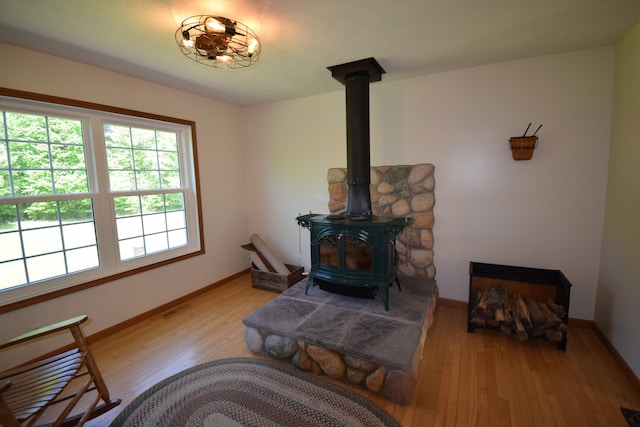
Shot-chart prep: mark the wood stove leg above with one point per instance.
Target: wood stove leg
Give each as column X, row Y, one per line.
column 384, row 293
column 398, row 282
column 309, row 283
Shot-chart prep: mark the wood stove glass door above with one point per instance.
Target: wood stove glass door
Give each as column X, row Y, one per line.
column 329, row 250
column 357, row 254
column 343, row 252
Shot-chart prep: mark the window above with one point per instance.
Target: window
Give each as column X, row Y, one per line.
column 89, row 194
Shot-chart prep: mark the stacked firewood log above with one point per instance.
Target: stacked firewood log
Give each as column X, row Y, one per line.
column 513, row 314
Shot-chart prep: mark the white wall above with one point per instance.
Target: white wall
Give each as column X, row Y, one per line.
column 223, row 205
column 544, row 213
column 617, row 313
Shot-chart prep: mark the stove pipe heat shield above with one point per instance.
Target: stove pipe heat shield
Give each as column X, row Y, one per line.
column 356, row 76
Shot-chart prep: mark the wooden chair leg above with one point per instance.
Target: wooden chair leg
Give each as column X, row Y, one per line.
column 6, row 416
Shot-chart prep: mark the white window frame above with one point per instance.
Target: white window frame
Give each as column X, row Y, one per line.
column 93, row 118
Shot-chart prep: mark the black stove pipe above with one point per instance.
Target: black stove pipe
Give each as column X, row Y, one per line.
column 358, row 146
column 356, row 77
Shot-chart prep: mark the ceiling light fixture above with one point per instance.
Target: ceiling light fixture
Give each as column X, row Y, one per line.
column 218, row 42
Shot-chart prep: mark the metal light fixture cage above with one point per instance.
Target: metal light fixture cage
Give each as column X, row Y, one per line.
column 218, row 42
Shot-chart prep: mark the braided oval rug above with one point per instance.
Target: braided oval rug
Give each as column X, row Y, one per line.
column 250, row 392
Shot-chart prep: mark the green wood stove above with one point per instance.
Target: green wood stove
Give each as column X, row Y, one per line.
column 354, row 257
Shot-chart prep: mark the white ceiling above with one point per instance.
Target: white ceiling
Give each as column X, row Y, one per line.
column 300, row 38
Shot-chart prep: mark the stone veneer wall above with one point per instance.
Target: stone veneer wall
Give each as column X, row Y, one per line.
column 398, row 191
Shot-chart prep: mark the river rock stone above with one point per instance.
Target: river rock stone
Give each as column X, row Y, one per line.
column 302, row 361
column 417, row 189
column 421, row 257
column 398, row 386
column 429, row 184
column 376, row 177
column 336, row 206
column 358, row 363
column 385, row 188
column 422, row 202
column 426, row 239
column 410, row 237
column 375, row 196
column 335, row 175
column 253, row 338
column 337, row 192
column 407, row 269
column 375, row 380
column 280, row 347
column 315, row 368
column 423, row 220
column 419, row 172
column 330, row 362
column 401, row 208
column 431, row 271
column 387, row 199
column 355, row 376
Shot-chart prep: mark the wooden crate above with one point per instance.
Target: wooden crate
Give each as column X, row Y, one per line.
column 274, row 281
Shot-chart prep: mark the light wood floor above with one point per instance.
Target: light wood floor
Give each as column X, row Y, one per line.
column 480, row 379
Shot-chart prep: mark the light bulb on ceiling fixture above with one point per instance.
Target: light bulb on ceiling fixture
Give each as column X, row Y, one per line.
column 186, row 39
column 214, row 25
column 253, row 45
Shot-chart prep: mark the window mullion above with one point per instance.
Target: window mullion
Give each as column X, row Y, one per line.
column 188, row 182
column 103, row 208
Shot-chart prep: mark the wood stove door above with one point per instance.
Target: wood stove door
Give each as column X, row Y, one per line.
column 328, row 250
column 357, row 253
column 342, row 253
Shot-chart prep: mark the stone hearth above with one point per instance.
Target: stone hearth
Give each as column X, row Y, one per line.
column 351, row 339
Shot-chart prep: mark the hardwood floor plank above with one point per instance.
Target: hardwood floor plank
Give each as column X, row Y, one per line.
column 468, row 383
column 479, row 379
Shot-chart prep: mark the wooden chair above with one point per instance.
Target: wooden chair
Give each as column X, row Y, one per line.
column 27, row 391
